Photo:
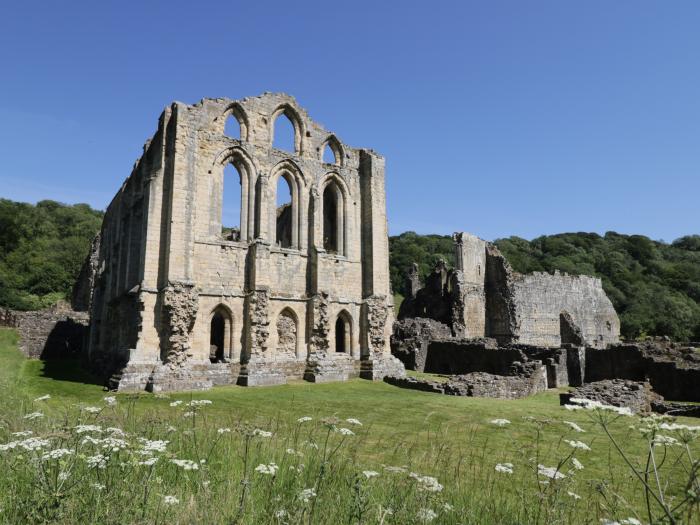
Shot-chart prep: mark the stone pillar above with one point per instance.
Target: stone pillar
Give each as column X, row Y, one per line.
column 470, row 255
column 378, row 362
column 320, row 365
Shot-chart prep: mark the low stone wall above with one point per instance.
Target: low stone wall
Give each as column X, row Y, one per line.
column 53, row 333
column 672, row 370
column 635, row 395
column 463, row 357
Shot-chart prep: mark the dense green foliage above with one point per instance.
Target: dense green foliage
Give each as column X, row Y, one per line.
column 654, row 286
column 42, row 248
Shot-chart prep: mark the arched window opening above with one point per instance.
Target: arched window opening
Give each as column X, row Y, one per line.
column 285, row 134
column 231, row 204
column 329, row 154
column 232, row 128
column 284, row 213
column 333, row 219
column 286, row 334
column 343, row 333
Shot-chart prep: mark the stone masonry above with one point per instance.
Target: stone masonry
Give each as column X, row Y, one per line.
column 297, row 292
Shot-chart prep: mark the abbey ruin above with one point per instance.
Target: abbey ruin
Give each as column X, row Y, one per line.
column 298, row 291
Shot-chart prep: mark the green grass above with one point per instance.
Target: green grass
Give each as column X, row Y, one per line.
column 447, row 437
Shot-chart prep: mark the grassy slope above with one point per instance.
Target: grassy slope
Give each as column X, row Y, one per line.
column 432, row 434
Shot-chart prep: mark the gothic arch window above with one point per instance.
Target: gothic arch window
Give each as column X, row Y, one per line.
column 343, row 333
column 287, row 334
column 221, row 335
column 285, row 207
column 235, row 193
column 334, row 217
column 332, row 151
column 283, row 211
column 231, row 216
column 236, row 123
column 286, row 129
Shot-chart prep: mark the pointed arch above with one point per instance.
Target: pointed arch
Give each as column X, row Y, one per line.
column 235, row 111
column 343, row 333
column 334, row 214
column 221, row 341
column 295, row 180
column 287, row 333
column 297, row 122
column 240, row 160
column 333, row 144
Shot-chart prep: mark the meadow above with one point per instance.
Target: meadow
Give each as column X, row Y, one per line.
column 355, row 452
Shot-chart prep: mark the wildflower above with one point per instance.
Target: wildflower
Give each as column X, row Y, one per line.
column 149, row 462
column 224, row 431
column 80, row 429
column 33, row 416
column 262, row 433
column 447, row 507
column 63, row 476
column 293, row 452
column 188, row 414
column 171, row 429
column 115, row 431
column 369, row 474
column 304, row 419
column 114, row 444
column 346, row 432
column 660, row 439
column 43, row 398
column 281, row 513
column 270, row 469
column 97, row 461
column 154, row 446
column 577, row 464
column 311, row 444
column 550, row 472
column 577, row 444
column 91, row 440
column 307, row 494
column 505, row 468
column 185, row 464
column 426, row 515
column 9, row 446
column 597, row 405
column 630, row 521
column 176, row 403
column 354, row 421
column 199, row 403
column 57, row 453
column 426, row 483
column 170, row 500
column 573, row 425
column 573, row 494
column 33, row 443
column 500, row 422
column 92, row 410
column 110, row 400
column 98, row 486
column 23, row 433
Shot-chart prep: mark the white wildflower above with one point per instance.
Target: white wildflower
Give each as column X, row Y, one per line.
column 57, row 453
column 81, row 429
column 149, row 462
column 577, row 444
column 43, row 398
column 114, row 444
column 63, row 476
column 577, row 464
column 33, row 443
column 90, row 440
column 188, row 414
column 447, row 507
column 185, row 464
column 660, row 439
column 176, row 403
column 270, row 469
column 426, row 483
column 92, row 410
column 573, row 494
column 224, row 431
column 97, row 461
column 630, row 521
column 354, row 421
column 110, row 400
column 550, row 472
column 304, row 419
column 262, row 433
column 33, row 415
column 157, row 445
column 426, row 515
column 115, row 431
column 9, row 446
column 369, row 474
column 573, row 425
column 500, row 422
column 505, row 468
column 171, row 429
column 346, row 431
column 98, row 486
column 170, row 500
column 281, row 513
column 199, row 403
column 307, row 494
column 23, row 433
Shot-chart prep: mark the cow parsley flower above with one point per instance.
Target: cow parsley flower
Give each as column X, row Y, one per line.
column 97, row 461
column 33, row 443
column 170, row 500
column 281, row 513
column 114, row 444
column 43, row 398
column 23, row 433
column 354, row 421
column 505, row 468
column 573, row 425
column 500, row 422
column 269, row 469
column 668, row 441
column 369, row 474
column 262, row 433
column 224, row 431
column 188, row 414
column 115, row 431
column 157, row 445
column 185, row 464
column 304, row 419
column 550, row 472
column 426, row 483
column 307, row 494
column 57, row 453
column 573, row 494
column 199, row 403
column 9, row 446
column 110, row 400
column 92, row 410
column 577, row 444
column 81, row 429
column 426, row 515
column 346, row 431
column 577, row 464
column 33, row 416
column 176, row 403
column 630, row 521
column 149, row 462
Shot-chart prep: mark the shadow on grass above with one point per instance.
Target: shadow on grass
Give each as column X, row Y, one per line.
column 69, row 370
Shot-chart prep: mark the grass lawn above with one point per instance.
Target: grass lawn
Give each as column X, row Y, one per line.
column 450, row 438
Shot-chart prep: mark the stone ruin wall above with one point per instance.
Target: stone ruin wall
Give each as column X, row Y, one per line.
column 161, row 249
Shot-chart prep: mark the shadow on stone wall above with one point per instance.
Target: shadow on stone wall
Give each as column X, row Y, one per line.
column 69, row 370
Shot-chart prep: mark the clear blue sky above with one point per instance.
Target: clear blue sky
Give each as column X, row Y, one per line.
column 495, row 117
